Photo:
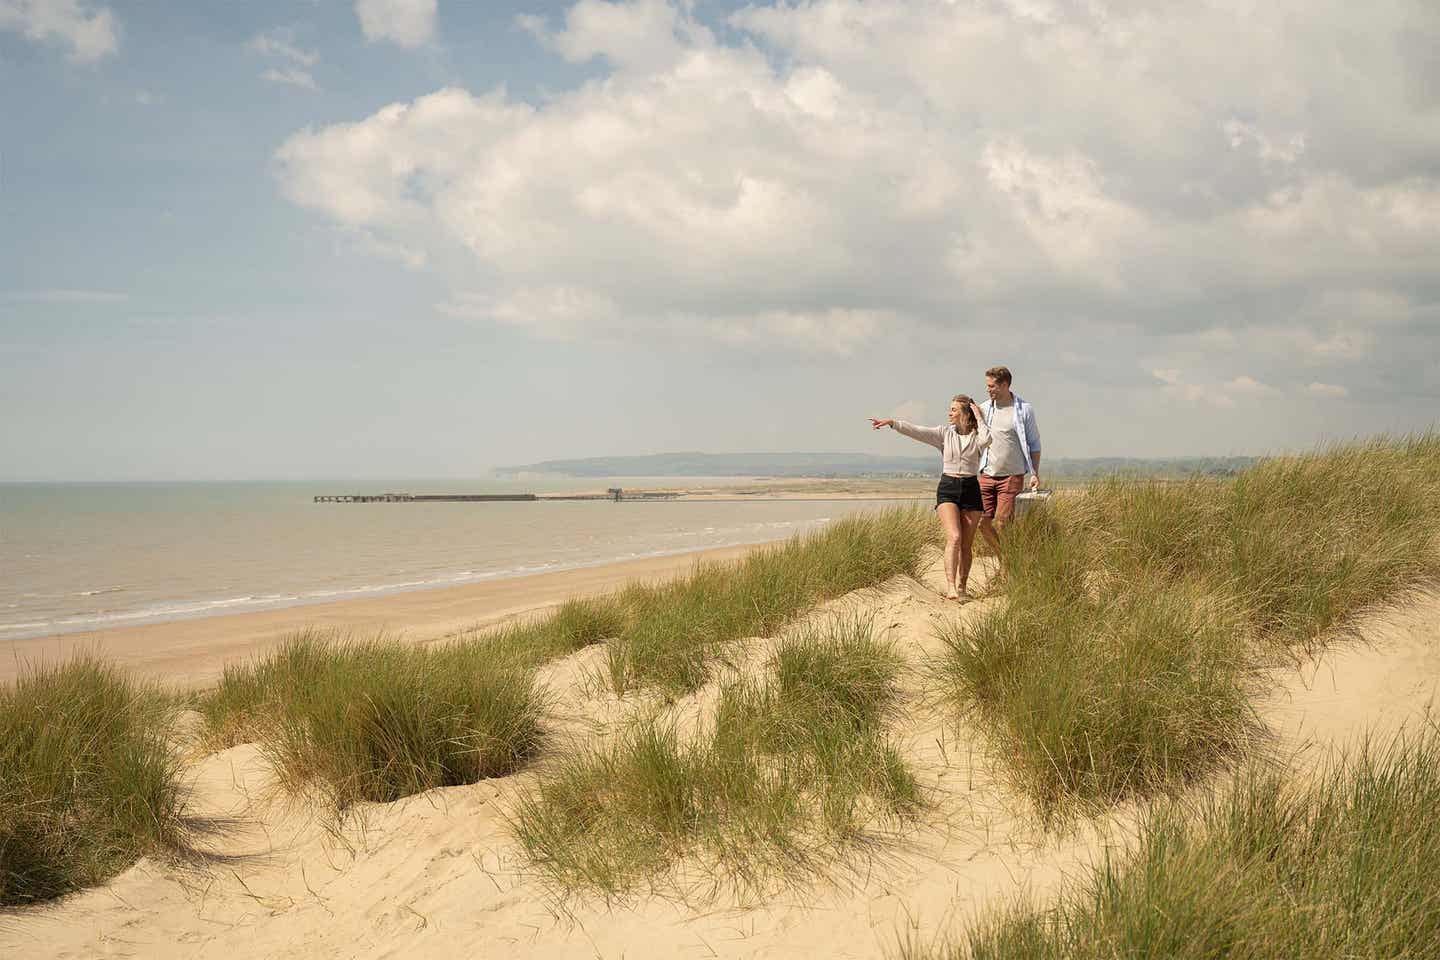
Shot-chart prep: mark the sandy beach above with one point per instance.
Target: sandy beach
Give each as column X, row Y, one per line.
column 194, row 652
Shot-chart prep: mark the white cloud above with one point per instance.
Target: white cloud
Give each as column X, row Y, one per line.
column 1247, row 386
column 836, row 331
column 532, row 24
column 1218, row 339
column 843, row 166
column 1222, row 395
column 368, row 243
column 565, row 313
column 91, row 33
column 65, row 296
column 1328, row 390
column 407, row 23
column 1064, row 209
column 553, row 312
column 279, row 44
column 631, row 34
column 1285, row 152
column 289, row 76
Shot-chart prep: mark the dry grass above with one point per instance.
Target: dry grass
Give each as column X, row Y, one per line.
column 794, row 768
column 1346, row 866
column 671, row 632
column 88, row 782
column 378, row 720
column 1137, row 614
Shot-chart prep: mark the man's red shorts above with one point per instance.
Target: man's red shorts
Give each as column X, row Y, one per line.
column 997, row 495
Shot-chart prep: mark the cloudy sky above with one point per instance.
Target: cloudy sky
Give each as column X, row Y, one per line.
column 354, row 238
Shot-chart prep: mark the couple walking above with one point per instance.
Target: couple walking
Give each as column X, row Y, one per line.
column 988, row 449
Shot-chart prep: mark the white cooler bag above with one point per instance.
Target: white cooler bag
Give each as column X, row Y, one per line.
column 1029, row 500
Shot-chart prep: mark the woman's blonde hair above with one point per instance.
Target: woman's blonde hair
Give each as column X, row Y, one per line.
column 967, row 416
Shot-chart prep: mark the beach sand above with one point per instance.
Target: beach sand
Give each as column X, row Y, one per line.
column 193, row 652
column 440, row 876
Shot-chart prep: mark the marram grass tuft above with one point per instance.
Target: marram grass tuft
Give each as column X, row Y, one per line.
column 88, row 781
column 378, row 720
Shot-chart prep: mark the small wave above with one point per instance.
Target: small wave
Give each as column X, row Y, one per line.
column 26, row 626
column 172, row 611
column 101, row 592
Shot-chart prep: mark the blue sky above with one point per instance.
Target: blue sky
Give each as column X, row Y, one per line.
column 362, row 238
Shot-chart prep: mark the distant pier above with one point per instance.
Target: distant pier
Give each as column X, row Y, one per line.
column 614, row 493
column 421, row 497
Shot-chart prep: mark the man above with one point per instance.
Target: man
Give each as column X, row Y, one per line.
column 1014, row 452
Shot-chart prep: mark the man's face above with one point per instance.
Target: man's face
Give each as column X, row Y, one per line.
column 994, row 388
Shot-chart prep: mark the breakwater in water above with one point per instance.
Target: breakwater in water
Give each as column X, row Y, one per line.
column 614, row 493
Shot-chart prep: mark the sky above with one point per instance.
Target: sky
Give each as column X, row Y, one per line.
column 303, row 239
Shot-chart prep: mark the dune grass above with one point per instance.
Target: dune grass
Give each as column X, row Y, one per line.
column 1137, row 615
column 793, row 767
column 671, row 632
column 1299, row 543
column 1345, row 865
column 88, row 782
column 378, row 720
column 572, row 626
column 243, row 706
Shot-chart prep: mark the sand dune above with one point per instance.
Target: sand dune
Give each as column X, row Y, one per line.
column 436, row 876
column 1381, row 675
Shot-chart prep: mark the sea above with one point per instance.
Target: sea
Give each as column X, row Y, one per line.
column 78, row 557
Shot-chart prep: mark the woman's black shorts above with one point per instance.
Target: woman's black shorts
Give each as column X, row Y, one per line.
column 964, row 492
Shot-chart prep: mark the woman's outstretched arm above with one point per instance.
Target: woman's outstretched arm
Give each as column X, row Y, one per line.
column 935, row 436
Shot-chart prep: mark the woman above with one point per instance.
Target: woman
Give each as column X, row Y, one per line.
column 958, row 497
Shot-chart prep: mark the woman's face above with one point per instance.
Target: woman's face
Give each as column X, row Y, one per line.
column 956, row 413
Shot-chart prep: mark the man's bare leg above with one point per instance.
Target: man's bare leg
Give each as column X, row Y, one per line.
column 991, row 534
column 988, row 530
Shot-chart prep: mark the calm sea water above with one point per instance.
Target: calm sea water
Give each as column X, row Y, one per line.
column 78, row 557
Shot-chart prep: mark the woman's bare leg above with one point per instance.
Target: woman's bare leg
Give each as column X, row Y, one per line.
column 969, row 522
column 950, row 520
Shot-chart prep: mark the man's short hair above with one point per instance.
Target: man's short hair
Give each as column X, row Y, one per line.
column 1001, row 374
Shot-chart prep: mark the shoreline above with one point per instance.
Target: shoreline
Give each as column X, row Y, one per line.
column 259, row 596
column 209, row 609
column 193, row 652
